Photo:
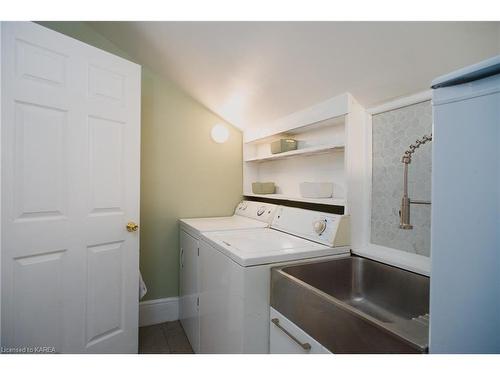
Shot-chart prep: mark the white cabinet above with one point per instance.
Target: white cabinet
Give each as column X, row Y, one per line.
column 189, row 288
column 287, row 338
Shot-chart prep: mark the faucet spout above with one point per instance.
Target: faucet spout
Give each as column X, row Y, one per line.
column 404, row 212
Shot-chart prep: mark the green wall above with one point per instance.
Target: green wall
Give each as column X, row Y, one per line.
column 183, row 172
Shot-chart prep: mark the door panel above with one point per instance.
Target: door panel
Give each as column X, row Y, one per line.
column 70, row 183
column 41, row 171
column 106, row 84
column 106, row 169
column 38, row 280
column 40, row 64
column 104, row 291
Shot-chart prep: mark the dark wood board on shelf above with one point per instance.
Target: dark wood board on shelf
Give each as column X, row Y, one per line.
column 332, row 209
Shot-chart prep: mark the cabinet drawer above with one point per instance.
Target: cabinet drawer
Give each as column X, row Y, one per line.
column 287, row 338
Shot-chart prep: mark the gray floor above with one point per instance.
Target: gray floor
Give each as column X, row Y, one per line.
column 164, row 338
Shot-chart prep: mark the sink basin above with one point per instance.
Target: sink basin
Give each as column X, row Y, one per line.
column 355, row 305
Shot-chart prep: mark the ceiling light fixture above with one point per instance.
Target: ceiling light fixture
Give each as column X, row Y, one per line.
column 220, row 133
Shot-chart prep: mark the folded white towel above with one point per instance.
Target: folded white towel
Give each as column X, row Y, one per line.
column 142, row 287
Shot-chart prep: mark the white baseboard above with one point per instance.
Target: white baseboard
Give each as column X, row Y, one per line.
column 158, row 311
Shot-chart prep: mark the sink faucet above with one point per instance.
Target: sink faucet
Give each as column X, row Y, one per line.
column 404, row 212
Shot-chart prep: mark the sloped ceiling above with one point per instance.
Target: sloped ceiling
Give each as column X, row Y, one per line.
column 251, row 73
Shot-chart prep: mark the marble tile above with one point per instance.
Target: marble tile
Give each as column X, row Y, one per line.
column 393, row 132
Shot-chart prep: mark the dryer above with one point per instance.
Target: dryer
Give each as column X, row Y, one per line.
column 247, row 215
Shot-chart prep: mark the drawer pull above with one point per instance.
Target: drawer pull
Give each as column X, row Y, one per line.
column 305, row 346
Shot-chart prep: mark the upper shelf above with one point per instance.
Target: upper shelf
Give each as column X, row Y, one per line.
column 267, row 135
column 333, row 109
column 302, row 151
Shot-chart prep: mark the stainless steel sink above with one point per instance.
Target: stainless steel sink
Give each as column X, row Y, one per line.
column 355, row 305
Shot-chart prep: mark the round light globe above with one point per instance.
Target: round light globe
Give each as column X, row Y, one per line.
column 220, row 133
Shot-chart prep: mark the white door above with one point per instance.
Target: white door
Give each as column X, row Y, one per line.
column 70, row 183
column 189, row 313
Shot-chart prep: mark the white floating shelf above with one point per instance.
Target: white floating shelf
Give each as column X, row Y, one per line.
column 329, row 201
column 303, row 151
column 329, row 112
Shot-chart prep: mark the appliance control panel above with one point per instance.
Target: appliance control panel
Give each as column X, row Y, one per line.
column 325, row 228
column 256, row 210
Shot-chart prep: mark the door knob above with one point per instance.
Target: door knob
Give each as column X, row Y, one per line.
column 132, row 227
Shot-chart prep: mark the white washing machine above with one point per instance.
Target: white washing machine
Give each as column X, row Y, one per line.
column 247, row 215
column 235, row 274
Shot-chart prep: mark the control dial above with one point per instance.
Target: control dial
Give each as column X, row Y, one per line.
column 319, row 226
column 261, row 211
column 243, row 206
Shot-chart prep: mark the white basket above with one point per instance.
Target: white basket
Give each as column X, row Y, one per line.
column 316, row 189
